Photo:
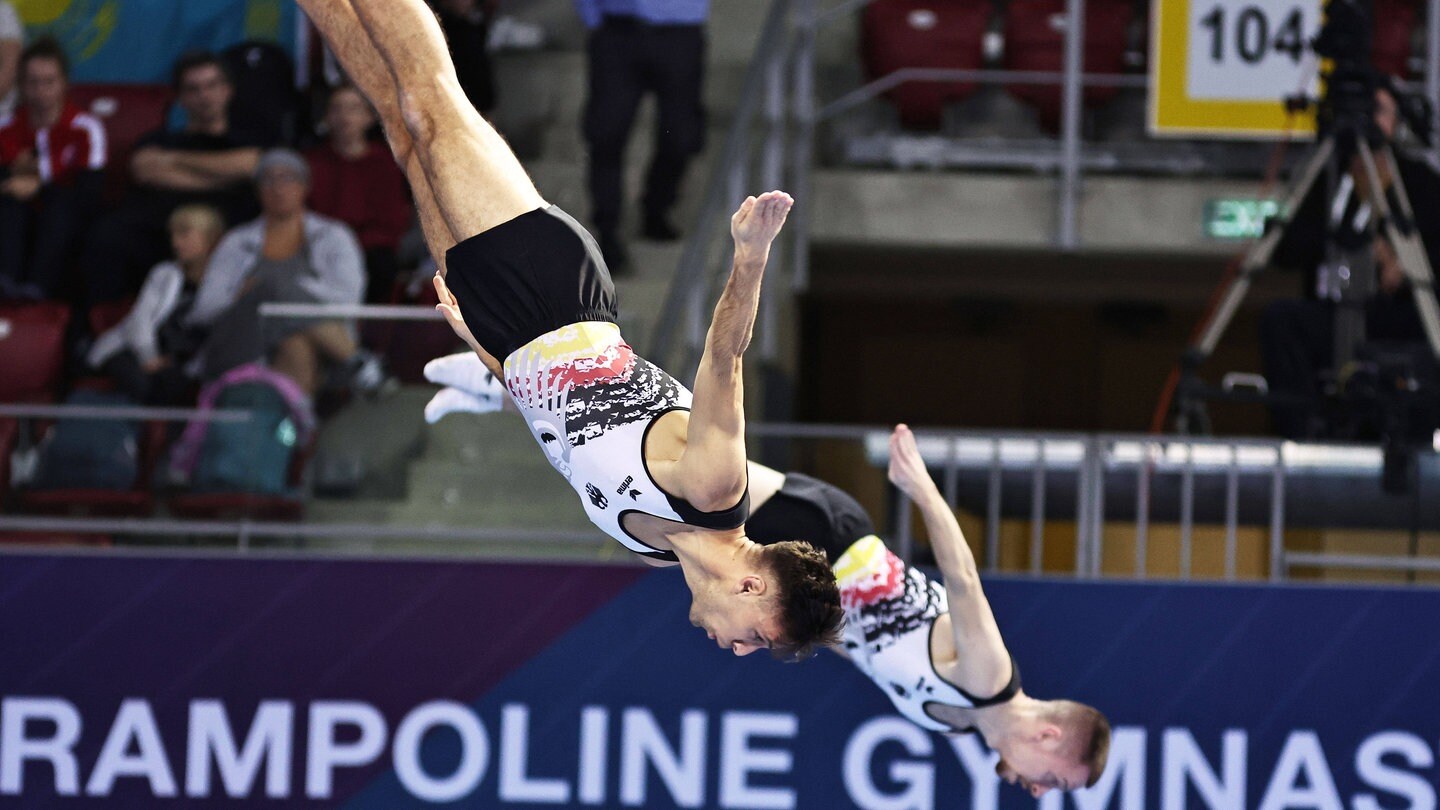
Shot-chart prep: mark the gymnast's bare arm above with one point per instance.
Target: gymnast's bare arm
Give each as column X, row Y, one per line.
column 711, row 472
column 982, row 663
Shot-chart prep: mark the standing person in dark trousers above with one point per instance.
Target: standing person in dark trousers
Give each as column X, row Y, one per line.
column 638, row 47
column 52, row 155
column 467, row 28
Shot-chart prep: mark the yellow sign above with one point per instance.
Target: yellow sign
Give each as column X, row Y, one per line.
column 1223, row 68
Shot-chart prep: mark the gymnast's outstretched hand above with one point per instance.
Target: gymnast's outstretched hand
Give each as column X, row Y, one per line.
column 758, row 221
column 907, row 467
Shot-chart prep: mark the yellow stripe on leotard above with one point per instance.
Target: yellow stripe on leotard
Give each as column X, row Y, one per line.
column 580, row 339
column 860, row 560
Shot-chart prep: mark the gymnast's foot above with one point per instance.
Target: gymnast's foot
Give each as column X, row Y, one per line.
column 466, row 372
column 453, row 400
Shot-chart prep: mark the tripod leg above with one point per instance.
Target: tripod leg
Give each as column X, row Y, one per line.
column 1406, row 241
column 1258, row 256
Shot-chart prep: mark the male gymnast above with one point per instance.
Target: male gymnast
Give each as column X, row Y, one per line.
column 934, row 650
column 657, row 468
column 937, row 653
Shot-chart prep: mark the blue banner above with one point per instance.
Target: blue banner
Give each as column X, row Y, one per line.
column 137, row 41
column 133, row 681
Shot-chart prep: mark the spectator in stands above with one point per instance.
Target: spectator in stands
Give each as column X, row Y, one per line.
column 467, row 28
column 1297, row 337
column 640, row 46
column 288, row 255
column 51, row 159
column 146, row 353
column 12, row 40
column 355, row 180
column 210, row 161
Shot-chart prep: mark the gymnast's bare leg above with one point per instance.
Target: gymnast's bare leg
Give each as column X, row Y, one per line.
column 464, row 177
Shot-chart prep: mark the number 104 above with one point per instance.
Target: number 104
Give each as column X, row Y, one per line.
column 1250, row 34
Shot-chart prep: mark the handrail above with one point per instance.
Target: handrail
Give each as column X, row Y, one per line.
column 358, row 312
column 690, row 275
column 895, row 78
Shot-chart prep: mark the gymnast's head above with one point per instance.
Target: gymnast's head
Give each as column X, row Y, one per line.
column 781, row 597
column 1062, row 746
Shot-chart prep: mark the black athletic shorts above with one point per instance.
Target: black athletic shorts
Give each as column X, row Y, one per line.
column 534, row 274
column 809, row 509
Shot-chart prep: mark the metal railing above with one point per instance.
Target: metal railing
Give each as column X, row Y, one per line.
column 1120, row 482
column 1108, row 486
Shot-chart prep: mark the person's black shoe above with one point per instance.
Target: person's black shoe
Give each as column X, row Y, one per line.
column 658, row 228
column 617, row 258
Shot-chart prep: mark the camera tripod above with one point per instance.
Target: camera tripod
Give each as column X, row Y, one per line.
column 1393, row 218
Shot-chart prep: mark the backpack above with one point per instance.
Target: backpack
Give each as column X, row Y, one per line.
column 90, row 453
column 252, row 456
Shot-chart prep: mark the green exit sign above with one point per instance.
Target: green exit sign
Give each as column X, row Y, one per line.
column 1238, row 218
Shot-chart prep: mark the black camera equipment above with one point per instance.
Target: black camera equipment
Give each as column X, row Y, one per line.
column 1386, row 392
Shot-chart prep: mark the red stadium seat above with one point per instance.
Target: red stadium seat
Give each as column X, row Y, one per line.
column 408, row 345
column 1395, row 21
column 32, row 350
column 1035, row 41
column 105, row 315
column 897, row 34
column 128, row 112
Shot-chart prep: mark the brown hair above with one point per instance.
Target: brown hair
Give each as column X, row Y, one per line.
column 809, row 599
column 45, row 48
column 1091, row 734
column 190, row 60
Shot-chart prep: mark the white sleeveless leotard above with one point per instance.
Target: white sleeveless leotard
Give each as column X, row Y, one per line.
column 589, row 400
column 890, row 612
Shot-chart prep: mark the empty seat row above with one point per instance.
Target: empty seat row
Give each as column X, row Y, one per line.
column 950, row 34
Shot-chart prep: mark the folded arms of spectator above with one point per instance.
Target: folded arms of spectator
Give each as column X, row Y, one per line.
column 193, row 170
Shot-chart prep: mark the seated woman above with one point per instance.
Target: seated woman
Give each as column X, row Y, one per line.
column 355, row 180
column 288, row 255
column 146, row 353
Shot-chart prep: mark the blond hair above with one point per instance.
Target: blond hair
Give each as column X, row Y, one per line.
column 1089, row 733
column 199, row 216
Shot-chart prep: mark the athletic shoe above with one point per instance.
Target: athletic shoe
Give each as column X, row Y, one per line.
column 367, row 375
column 510, row 34
column 465, row 372
column 453, row 400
